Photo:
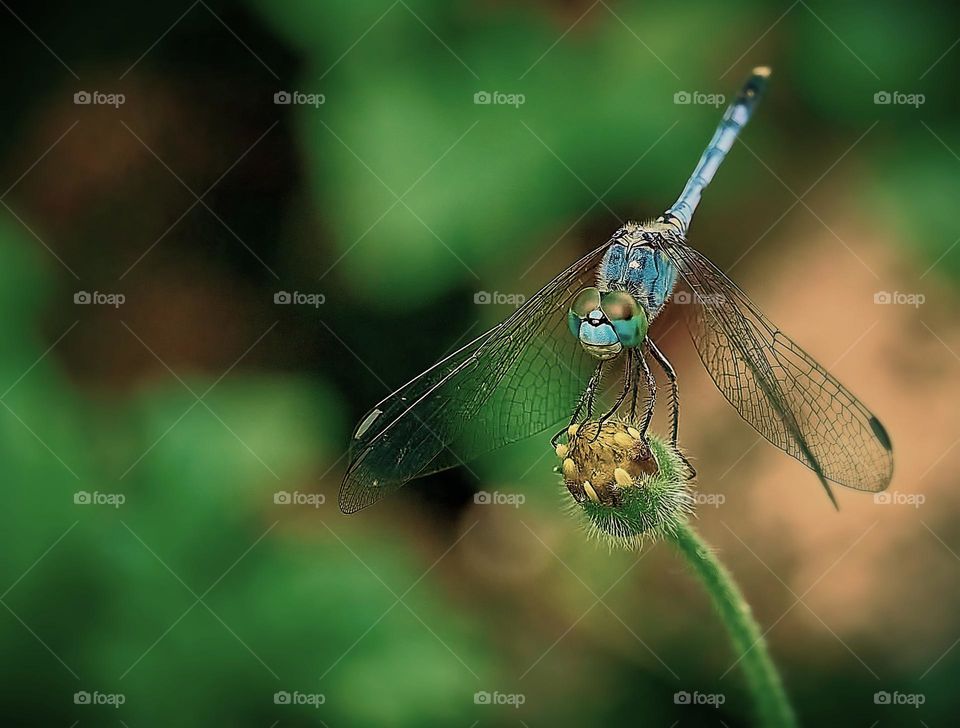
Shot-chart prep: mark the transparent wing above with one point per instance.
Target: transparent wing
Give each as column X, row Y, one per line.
column 776, row 386
column 515, row 380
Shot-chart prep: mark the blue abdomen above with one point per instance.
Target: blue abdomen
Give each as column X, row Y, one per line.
column 641, row 270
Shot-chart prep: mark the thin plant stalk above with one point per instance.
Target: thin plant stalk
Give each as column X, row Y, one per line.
column 763, row 681
column 628, row 490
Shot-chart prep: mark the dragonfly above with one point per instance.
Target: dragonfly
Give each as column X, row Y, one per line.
column 544, row 364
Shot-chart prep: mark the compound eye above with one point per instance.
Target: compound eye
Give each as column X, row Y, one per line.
column 626, row 316
column 585, row 302
column 619, row 306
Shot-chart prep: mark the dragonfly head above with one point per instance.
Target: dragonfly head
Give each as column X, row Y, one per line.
column 606, row 322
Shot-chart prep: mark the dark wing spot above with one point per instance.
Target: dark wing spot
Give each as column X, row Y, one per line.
column 881, row 433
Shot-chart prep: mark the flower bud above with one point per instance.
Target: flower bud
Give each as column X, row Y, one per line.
column 624, row 489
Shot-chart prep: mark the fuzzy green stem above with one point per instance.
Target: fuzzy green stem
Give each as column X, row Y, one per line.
column 763, row 681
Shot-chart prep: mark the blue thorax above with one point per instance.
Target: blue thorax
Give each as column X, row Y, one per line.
column 640, row 269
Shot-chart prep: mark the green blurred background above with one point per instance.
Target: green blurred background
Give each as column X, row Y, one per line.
column 226, row 588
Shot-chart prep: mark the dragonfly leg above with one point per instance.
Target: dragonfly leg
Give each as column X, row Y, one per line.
column 591, row 393
column 586, row 399
column 635, row 396
column 652, row 391
column 628, row 377
column 667, row 368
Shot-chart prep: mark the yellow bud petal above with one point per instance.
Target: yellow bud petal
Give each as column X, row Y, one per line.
column 572, row 430
column 588, row 489
column 622, row 477
column 623, row 439
column 569, row 469
column 562, row 451
column 634, row 433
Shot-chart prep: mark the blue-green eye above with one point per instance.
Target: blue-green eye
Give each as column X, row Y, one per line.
column 628, row 318
column 585, row 302
column 618, row 305
column 632, row 331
